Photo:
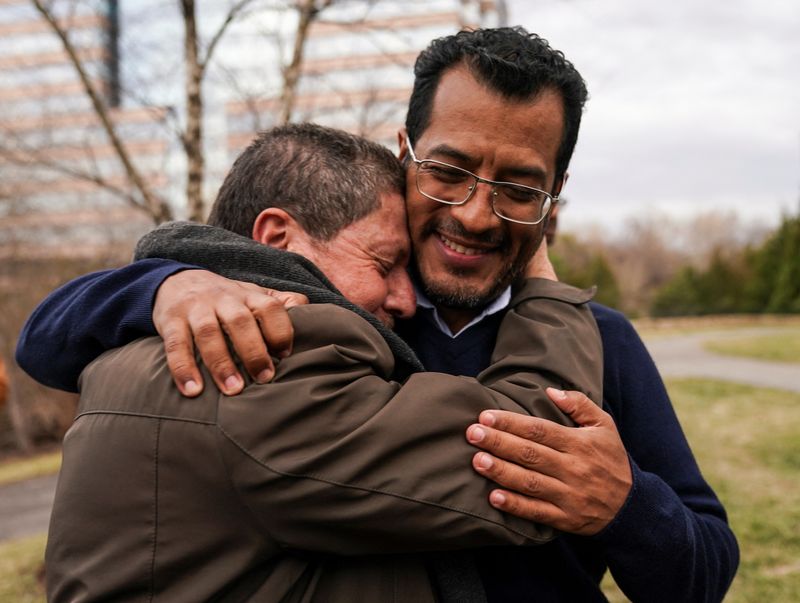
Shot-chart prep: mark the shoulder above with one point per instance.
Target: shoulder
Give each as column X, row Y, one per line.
column 135, row 380
column 341, row 333
column 615, row 328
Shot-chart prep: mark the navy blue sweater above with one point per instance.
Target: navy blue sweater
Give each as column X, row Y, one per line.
column 670, row 542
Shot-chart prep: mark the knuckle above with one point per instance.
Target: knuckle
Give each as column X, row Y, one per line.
column 239, row 319
column 221, row 365
column 255, row 361
column 206, row 330
column 534, row 430
column 529, row 455
column 175, row 345
column 182, row 369
column 532, row 484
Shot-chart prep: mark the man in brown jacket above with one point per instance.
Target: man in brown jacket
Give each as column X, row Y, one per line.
column 314, row 486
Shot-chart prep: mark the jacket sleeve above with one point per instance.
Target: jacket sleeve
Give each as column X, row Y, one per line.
column 88, row 316
column 333, row 456
column 671, row 540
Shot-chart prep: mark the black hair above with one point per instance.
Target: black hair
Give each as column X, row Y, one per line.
column 512, row 62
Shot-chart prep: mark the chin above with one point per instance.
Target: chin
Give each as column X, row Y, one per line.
column 462, row 296
column 387, row 320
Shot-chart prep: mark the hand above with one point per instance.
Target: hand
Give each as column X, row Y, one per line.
column 574, row 479
column 200, row 307
column 540, row 266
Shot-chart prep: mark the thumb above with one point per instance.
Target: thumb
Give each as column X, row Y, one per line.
column 578, row 406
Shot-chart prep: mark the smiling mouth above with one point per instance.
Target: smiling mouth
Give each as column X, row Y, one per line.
column 461, row 248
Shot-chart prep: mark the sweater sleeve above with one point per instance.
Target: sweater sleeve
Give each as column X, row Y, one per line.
column 671, row 540
column 87, row 316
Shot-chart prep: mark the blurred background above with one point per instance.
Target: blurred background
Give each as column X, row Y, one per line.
column 683, row 198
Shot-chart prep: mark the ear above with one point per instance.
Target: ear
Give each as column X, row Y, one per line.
column 401, row 144
column 275, row 228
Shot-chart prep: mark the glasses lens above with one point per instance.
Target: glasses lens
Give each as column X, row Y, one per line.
column 444, row 182
column 521, row 203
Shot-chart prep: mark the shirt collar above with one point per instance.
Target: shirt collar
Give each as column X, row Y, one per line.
column 500, row 303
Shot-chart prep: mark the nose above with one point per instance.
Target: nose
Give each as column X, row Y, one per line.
column 476, row 214
column 400, row 301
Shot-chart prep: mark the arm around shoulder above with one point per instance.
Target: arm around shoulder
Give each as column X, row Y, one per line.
column 87, row 316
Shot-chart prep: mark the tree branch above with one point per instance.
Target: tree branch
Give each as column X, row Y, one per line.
column 233, row 13
column 157, row 208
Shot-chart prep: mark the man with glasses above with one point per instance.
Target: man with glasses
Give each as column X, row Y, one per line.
column 494, row 116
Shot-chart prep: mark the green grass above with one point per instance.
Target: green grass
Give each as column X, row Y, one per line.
column 20, row 564
column 22, row 468
column 778, row 347
column 747, row 442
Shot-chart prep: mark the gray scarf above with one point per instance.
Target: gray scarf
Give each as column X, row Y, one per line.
column 243, row 259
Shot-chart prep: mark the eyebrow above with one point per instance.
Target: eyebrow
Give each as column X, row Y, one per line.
column 446, row 150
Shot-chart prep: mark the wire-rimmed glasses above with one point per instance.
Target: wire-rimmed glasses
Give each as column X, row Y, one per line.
column 445, row 183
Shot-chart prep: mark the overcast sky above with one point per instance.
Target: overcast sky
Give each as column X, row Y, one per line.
column 693, row 105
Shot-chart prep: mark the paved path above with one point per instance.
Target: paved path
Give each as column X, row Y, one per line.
column 684, row 356
column 25, row 507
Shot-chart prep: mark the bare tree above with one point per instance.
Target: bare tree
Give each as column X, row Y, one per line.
column 138, row 193
column 308, row 10
column 156, row 207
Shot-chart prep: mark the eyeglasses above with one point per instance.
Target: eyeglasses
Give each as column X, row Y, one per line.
column 453, row 185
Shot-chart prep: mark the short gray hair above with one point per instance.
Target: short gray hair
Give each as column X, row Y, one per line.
column 326, row 179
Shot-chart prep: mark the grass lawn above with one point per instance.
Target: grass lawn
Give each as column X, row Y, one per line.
column 20, row 563
column 747, row 442
column 779, row 347
column 654, row 328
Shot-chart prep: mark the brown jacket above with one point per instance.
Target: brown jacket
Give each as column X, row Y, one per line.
column 315, row 487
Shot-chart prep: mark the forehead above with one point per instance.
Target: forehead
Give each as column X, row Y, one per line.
column 385, row 230
column 467, row 115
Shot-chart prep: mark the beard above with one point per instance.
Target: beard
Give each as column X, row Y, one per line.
column 454, row 291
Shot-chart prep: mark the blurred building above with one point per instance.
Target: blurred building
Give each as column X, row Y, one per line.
column 62, row 185
column 53, row 150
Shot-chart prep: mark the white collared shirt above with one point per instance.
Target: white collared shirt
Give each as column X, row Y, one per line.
column 500, row 303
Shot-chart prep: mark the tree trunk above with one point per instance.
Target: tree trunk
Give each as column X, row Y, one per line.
column 193, row 138
column 307, row 11
column 156, row 207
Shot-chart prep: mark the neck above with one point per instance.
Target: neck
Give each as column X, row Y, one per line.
column 456, row 318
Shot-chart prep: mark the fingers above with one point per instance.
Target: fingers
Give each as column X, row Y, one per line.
column 527, row 428
column 525, row 481
column 209, row 338
column 276, row 327
column 180, row 358
column 529, row 494
column 244, row 332
column 289, row 299
column 519, row 450
column 532, row 509
column 579, row 407
column 196, row 308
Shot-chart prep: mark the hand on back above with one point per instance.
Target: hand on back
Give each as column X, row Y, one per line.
column 196, row 308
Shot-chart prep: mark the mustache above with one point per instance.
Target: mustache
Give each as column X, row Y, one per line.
column 449, row 226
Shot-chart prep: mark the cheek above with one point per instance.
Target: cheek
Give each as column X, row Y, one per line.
column 372, row 291
column 525, row 240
